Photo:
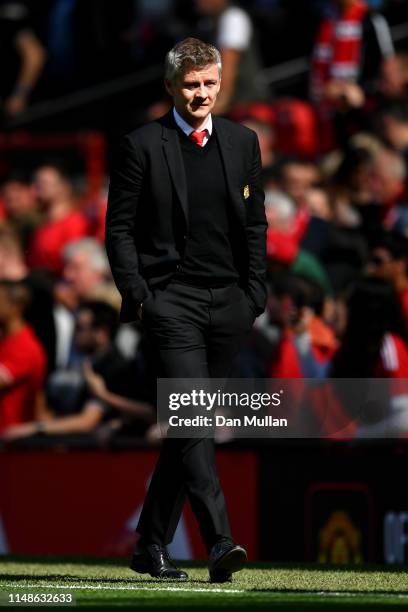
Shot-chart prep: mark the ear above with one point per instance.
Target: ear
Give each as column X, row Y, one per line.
column 169, row 87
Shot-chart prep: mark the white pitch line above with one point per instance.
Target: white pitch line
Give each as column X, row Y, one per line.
column 359, row 594
column 104, row 587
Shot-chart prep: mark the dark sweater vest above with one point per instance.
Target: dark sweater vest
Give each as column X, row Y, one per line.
column 208, row 259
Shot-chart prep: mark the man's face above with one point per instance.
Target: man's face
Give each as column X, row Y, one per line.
column 194, row 93
column 386, row 184
column 18, row 198
column 80, row 275
column 297, row 179
column 49, row 185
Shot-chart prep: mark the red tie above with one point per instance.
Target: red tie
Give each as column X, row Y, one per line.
column 198, row 137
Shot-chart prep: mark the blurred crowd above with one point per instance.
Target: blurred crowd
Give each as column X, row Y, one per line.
column 335, row 173
column 54, row 47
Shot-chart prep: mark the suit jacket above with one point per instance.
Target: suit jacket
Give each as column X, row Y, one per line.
column 147, row 215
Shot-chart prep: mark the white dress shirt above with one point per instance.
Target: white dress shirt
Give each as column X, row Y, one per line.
column 187, row 129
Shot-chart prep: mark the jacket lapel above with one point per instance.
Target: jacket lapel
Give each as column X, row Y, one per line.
column 172, row 152
column 233, row 185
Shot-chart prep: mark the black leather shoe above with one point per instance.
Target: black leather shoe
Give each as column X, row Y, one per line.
column 155, row 560
column 225, row 559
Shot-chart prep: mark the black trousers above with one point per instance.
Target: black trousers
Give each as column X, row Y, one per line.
column 195, row 333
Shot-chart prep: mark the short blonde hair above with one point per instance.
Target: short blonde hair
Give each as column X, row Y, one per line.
column 190, row 53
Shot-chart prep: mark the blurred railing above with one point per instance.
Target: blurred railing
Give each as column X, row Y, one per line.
column 77, row 99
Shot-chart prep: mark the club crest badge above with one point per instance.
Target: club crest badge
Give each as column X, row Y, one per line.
column 247, row 193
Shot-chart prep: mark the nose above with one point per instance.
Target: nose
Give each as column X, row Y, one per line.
column 202, row 91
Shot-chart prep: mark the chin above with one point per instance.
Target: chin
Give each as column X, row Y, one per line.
column 201, row 112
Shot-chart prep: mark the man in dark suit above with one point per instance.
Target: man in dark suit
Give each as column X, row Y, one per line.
column 186, row 240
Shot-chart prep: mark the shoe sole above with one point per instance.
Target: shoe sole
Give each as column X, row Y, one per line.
column 233, row 561
column 220, row 576
column 142, row 569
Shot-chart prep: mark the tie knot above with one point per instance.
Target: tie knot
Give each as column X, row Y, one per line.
column 198, row 137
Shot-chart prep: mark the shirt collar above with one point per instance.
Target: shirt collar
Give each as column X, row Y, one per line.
column 186, row 127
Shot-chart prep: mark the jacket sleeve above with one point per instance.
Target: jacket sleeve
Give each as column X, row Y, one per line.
column 126, row 182
column 256, row 233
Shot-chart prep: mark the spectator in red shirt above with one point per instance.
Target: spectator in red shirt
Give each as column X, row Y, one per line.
column 299, row 178
column 101, row 386
column 294, row 205
column 282, row 238
column 62, row 221
column 303, row 348
column 40, row 313
column 353, row 60
column 22, row 359
column 305, row 343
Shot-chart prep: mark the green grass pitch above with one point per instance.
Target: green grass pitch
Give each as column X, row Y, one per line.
column 109, row 582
